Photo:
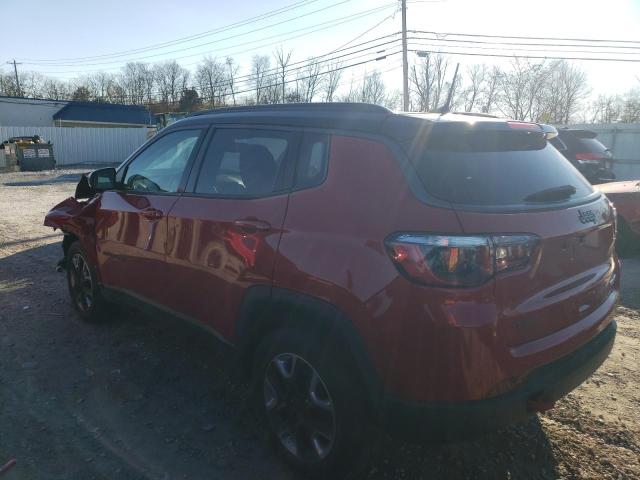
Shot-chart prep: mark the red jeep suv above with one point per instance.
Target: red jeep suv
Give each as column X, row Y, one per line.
column 433, row 274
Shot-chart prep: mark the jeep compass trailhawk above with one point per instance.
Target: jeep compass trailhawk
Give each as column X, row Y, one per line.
column 433, row 274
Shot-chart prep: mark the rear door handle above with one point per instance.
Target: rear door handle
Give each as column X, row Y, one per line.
column 151, row 213
column 252, row 225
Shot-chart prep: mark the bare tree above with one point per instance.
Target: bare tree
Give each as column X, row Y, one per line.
column 521, row 90
column 332, row 76
column 282, row 61
column 56, row 89
column 310, row 80
column 259, row 68
column 428, row 81
column 98, row 84
column 171, row 80
column 477, row 76
column 31, row 84
column 135, row 81
column 631, row 106
column 370, row 89
column 566, row 87
column 605, row 109
column 491, row 89
column 211, row 76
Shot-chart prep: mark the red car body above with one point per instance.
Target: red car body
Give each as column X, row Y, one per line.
column 626, row 198
column 478, row 356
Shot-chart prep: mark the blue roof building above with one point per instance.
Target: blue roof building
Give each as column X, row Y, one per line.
column 91, row 114
column 30, row 112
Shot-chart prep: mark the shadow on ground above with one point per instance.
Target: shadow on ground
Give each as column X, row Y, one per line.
column 34, row 182
column 630, row 282
column 143, row 397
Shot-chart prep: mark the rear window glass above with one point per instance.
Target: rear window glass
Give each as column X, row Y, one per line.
column 496, row 168
column 592, row 145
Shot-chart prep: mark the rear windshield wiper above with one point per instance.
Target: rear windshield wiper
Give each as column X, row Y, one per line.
column 552, row 194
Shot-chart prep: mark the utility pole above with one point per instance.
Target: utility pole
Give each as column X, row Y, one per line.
column 405, row 61
column 15, row 70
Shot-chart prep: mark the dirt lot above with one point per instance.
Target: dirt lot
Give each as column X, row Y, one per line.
column 151, row 398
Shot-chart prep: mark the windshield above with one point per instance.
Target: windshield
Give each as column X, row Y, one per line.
column 496, row 169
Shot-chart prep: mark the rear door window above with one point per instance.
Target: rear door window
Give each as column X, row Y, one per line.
column 495, row 168
column 245, row 163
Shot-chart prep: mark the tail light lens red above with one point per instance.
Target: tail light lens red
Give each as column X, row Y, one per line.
column 589, row 157
column 456, row 260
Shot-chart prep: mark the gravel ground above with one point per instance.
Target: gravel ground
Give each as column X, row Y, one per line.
column 149, row 398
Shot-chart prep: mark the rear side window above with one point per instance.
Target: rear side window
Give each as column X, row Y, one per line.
column 312, row 161
column 244, row 163
column 495, row 168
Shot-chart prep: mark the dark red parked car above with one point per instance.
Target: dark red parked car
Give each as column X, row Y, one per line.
column 437, row 275
column 625, row 196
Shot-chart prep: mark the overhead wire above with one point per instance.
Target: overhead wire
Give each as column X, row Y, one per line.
column 325, row 26
column 188, row 38
column 265, row 27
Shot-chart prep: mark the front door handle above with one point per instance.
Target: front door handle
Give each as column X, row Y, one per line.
column 252, row 225
column 151, row 213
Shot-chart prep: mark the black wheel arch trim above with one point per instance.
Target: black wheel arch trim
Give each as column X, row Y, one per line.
column 266, row 308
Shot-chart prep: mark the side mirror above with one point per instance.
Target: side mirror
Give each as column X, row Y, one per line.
column 103, row 179
column 97, row 181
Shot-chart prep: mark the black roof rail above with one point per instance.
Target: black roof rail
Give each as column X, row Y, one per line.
column 475, row 114
column 334, row 107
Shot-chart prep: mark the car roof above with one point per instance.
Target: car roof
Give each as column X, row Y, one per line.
column 363, row 117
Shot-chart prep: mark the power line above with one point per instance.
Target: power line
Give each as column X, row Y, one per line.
column 443, row 34
column 525, row 44
column 265, row 27
column 540, row 57
column 366, row 31
column 511, row 49
column 324, row 26
column 188, row 38
column 15, row 71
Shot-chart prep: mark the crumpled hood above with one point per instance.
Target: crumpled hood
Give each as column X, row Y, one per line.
column 71, row 215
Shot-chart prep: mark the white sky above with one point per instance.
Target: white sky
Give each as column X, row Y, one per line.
column 74, row 28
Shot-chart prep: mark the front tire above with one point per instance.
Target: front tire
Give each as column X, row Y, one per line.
column 84, row 290
column 308, row 397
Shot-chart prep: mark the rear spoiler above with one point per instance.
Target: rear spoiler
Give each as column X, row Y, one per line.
column 549, row 131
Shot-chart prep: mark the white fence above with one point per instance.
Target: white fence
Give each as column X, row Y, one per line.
column 624, row 141
column 84, row 145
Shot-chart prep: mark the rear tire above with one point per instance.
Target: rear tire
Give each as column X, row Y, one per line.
column 627, row 242
column 309, row 399
column 84, row 289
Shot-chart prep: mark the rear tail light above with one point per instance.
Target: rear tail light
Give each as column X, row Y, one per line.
column 589, row 157
column 458, row 261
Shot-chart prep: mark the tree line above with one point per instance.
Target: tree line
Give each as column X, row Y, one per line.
column 543, row 91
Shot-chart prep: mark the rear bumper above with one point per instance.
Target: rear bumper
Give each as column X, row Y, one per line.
column 450, row 421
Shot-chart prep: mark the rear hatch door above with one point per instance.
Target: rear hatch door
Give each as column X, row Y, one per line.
column 507, row 179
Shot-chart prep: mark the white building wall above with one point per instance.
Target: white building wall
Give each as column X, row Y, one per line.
column 84, row 145
column 19, row 112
